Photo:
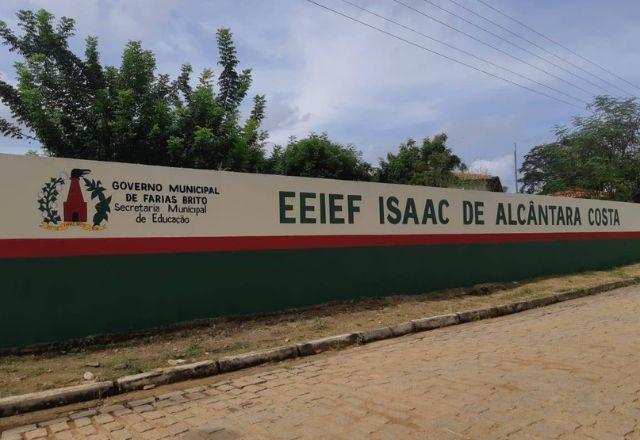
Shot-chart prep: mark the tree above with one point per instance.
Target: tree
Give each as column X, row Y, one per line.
column 431, row 163
column 599, row 154
column 318, row 156
column 78, row 108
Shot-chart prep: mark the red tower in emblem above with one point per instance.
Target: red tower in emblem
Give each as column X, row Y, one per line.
column 75, row 208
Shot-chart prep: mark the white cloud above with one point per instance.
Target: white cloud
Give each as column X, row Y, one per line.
column 340, row 73
column 321, row 72
column 502, row 167
column 499, row 166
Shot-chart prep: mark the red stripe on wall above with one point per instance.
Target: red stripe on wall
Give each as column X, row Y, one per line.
column 61, row 247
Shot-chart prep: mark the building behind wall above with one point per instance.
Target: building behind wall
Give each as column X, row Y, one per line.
column 478, row 182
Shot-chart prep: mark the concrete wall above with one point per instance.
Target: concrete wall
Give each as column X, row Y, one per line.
column 162, row 245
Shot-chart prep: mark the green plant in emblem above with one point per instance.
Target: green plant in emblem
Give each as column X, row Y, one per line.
column 103, row 206
column 47, row 201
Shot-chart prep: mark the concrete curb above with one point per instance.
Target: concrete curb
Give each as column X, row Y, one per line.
column 56, row 397
column 426, row 324
column 164, row 376
column 63, row 396
column 375, row 334
column 316, row 346
column 252, row 359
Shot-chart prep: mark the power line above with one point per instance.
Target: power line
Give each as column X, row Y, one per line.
column 556, row 43
column 463, row 51
column 504, row 52
column 524, row 49
column 533, row 43
column 390, row 34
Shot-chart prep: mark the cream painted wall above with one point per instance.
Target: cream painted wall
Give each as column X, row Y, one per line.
column 249, row 204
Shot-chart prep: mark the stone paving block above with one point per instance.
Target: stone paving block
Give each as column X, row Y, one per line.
column 140, row 402
column 226, row 386
column 175, row 408
column 111, row 408
column 154, row 434
column 176, row 429
column 132, row 418
column 122, row 412
column 178, row 399
column 84, row 413
column 170, row 395
column 86, row 430
column 98, row 436
column 567, row 371
column 53, row 422
column 20, row 429
column 141, row 427
column 152, row 415
column 166, row 421
column 58, row 427
column 163, row 404
column 102, row 419
column 113, row 426
column 82, row 421
column 123, row 434
column 63, row 435
column 197, row 389
column 394, row 431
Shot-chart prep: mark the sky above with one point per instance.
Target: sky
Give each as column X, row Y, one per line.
column 324, row 73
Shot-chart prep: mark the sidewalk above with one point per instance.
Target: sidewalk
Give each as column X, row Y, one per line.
column 565, row 371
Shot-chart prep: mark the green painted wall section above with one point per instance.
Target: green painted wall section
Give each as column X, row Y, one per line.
column 50, row 300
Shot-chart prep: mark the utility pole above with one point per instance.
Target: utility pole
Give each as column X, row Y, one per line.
column 515, row 164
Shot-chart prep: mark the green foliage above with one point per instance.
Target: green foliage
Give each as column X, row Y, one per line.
column 598, row 154
column 431, row 163
column 78, row 108
column 318, row 156
column 47, row 200
column 103, row 207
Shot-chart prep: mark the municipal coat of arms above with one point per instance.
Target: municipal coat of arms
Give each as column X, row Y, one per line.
column 76, row 211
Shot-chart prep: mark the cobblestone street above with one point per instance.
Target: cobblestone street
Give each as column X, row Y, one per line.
column 571, row 370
